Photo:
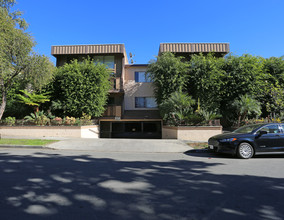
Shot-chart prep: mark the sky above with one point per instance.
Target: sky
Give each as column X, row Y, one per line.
column 250, row 26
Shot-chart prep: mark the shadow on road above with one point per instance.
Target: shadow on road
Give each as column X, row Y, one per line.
column 205, row 153
column 54, row 186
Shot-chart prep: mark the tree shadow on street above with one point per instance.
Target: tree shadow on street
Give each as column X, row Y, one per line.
column 47, row 185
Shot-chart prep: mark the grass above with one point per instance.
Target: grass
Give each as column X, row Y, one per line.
column 30, row 142
column 198, row 145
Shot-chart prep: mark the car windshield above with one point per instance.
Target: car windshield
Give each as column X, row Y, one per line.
column 246, row 129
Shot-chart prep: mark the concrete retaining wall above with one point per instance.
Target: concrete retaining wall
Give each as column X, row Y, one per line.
column 201, row 133
column 51, row 131
column 191, row 133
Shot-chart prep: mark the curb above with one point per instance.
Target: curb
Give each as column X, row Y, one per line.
column 25, row 146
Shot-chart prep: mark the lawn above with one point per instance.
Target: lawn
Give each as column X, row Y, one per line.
column 198, row 145
column 31, row 142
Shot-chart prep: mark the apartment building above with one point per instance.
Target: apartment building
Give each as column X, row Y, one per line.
column 131, row 111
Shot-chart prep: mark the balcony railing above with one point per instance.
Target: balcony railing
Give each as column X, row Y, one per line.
column 115, row 83
column 113, row 111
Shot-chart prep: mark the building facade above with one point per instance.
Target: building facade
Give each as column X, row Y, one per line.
column 131, row 111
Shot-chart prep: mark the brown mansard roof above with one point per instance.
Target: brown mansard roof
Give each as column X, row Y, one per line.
column 222, row 48
column 194, row 47
column 88, row 49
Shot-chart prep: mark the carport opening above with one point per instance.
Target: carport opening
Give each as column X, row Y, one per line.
column 133, row 127
column 126, row 129
column 151, row 127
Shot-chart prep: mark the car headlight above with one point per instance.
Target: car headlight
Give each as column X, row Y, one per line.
column 228, row 140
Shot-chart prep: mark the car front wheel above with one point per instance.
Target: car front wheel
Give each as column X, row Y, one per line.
column 245, row 151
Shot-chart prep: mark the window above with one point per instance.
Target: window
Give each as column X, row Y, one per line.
column 247, row 129
column 271, row 129
column 142, row 77
column 107, row 60
column 145, row 102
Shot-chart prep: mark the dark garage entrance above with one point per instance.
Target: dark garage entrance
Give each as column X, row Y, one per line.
column 131, row 129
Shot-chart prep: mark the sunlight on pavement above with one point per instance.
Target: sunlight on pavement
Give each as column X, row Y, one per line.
column 60, row 179
column 40, row 210
column 93, row 200
column 125, row 187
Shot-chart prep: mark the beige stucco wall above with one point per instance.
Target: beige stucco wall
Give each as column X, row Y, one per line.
column 90, row 132
column 51, row 131
column 169, row 133
column 202, row 133
column 133, row 89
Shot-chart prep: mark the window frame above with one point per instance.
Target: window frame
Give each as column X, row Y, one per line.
column 102, row 59
column 145, row 102
column 146, row 79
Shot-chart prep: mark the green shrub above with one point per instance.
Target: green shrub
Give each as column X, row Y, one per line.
column 177, row 108
column 37, row 118
column 57, row 121
column 195, row 119
column 42, row 120
column 80, row 87
column 10, row 121
column 78, row 122
column 69, row 120
column 86, row 119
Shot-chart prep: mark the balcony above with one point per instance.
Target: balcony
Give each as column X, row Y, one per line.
column 113, row 111
column 116, row 85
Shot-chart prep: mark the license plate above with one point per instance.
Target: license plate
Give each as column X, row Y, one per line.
column 211, row 147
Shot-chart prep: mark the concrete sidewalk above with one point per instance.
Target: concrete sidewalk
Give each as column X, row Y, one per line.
column 122, row 145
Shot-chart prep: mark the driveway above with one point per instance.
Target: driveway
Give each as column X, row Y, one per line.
column 123, row 145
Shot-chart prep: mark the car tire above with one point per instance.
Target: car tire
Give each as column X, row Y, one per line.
column 245, row 150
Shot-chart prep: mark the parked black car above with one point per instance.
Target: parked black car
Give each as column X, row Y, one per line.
column 250, row 140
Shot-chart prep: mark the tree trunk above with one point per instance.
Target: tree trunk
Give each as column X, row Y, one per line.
column 239, row 120
column 36, row 111
column 3, row 104
column 244, row 116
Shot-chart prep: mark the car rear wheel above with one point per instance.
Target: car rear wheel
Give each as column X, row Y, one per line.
column 245, row 150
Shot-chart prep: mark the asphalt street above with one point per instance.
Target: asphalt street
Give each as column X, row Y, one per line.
column 68, row 184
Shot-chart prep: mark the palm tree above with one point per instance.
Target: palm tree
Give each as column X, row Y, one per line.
column 209, row 116
column 245, row 106
column 177, row 108
column 32, row 99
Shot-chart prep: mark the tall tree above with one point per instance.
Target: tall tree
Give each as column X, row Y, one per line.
column 217, row 82
column 275, row 67
column 6, row 6
column 205, row 74
column 38, row 72
column 273, row 95
column 169, row 74
column 80, row 87
column 16, row 60
column 243, row 75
